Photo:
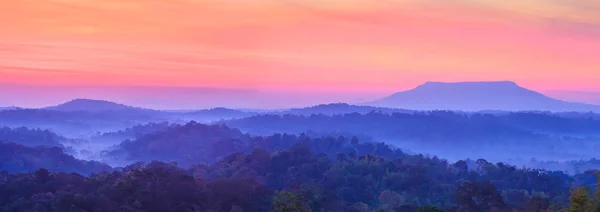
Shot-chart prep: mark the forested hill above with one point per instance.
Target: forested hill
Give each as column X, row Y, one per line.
column 132, row 132
column 74, row 123
column 194, row 143
column 31, row 137
column 545, row 136
column 17, row 158
column 300, row 179
column 415, row 124
column 218, row 168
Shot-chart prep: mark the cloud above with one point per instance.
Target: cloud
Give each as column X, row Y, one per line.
column 331, row 44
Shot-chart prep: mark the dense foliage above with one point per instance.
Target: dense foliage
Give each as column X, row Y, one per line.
column 439, row 123
column 31, row 137
column 452, row 135
column 298, row 179
column 194, row 143
column 186, row 144
column 344, row 174
column 335, row 166
column 131, row 132
column 16, row 158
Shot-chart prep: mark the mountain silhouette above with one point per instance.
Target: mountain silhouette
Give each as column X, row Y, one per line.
column 89, row 105
column 339, row 108
column 219, row 113
column 477, row 96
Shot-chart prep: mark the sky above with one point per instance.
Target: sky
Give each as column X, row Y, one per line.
column 353, row 48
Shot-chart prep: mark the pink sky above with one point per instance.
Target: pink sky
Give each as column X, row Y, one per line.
column 301, row 45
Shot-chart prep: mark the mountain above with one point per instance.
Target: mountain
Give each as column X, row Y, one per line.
column 82, row 117
column 88, row 105
column 477, row 96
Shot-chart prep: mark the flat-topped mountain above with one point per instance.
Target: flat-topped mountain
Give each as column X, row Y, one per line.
column 89, row 105
column 475, row 96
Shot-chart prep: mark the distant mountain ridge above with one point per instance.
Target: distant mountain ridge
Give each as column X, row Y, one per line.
column 89, row 105
column 477, row 96
column 8, row 108
column 221, row 111
column 339, row 108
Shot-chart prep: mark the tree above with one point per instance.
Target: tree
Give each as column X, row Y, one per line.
column 429, row 209
column 42, row 175
column 285, row 201
column 596, row 204
column 536, row 203
column 391, row 198
column 579, row 200
column 475, row 197
column 354, row 141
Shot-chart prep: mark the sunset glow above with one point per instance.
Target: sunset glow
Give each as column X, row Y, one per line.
column 331, row 45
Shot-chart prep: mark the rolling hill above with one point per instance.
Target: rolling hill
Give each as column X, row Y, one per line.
column 338, row 109
column 88, row 105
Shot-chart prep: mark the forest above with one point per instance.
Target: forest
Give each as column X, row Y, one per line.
column 513, row 136
column 300, row 106
column 334, row 157
column 301, row 179
column 198, row 167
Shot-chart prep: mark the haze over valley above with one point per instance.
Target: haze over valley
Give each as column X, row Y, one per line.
column 300, row 106
column 499, row 121
column 470, row 123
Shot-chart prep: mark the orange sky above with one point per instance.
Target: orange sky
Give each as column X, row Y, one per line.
column 333, row 45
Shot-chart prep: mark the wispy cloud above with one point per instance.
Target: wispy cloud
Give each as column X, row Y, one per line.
column 294, row 44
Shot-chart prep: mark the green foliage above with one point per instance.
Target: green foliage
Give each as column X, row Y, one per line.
column 285, row 201
column 365, row 177
column 579, row 200
column 582, row 201
column 596, row 204
column 474, row 196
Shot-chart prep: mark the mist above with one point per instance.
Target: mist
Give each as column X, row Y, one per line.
column 317, row 144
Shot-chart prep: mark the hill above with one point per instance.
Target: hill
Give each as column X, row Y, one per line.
column 76, row 123
column 377, row 179
column 31, row 137
column 186, row 144
column 339, row 108
column 18, row 158
column 216, row 114
column 221, row 113
column 449, row 134
column 131, row 132
column 195, row 143
column 476, row 96
column 88, row 105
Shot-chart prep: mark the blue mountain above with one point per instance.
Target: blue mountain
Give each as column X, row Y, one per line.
column 477, row 96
